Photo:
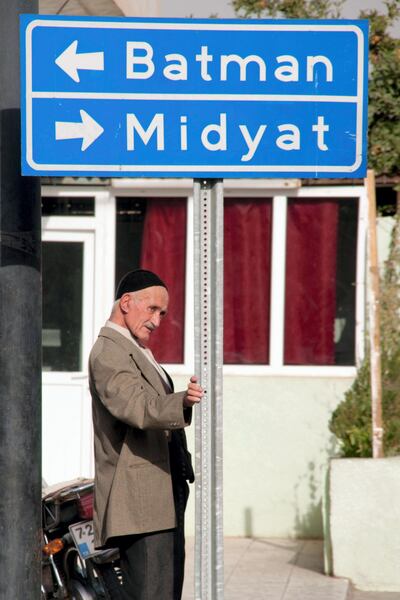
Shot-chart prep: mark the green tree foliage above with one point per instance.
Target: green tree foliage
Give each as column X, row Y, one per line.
column 351, row 421
column 288, row 9
column 384, row 91
column 384, row 81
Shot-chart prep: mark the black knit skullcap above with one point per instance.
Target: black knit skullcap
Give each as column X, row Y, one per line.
column 139, row 279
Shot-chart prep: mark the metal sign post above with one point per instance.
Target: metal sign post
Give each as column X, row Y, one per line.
column 208, row 295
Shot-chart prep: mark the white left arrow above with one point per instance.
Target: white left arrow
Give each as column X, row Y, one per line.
column 70, row 61
column 89, row 130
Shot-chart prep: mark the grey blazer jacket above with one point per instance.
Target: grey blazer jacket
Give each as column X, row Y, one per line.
column 131, row 417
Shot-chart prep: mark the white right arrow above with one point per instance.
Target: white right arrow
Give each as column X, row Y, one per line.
column 70, row 61
column 89, row 130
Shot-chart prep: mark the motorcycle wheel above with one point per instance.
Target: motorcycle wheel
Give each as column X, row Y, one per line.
column 80, row 592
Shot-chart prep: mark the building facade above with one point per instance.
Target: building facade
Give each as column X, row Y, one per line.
column 294, row 314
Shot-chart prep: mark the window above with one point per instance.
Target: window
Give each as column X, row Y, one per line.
column 319, row 299
column 247, row 272
column 70, row 313
column 320, row 282
column 62, row 266
column 290, row 265
column 67, row 206
column 151, row 234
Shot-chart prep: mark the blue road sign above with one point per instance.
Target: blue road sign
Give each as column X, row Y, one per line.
column 193, row 98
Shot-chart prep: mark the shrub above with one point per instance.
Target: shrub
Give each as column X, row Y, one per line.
column 351, row 422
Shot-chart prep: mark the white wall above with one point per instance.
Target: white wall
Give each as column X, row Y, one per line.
column 276, row 449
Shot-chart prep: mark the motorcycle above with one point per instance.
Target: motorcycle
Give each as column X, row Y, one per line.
column 71, row 567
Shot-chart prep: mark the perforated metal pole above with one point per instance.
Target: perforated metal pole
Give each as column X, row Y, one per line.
column 208, row 292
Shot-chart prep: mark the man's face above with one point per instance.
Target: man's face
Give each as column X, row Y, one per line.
column 144, row 310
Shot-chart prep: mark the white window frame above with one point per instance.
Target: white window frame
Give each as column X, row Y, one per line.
column 278, row 261
column 102, row 225
column 161, row 188
column 85, row 238
column 280, row 191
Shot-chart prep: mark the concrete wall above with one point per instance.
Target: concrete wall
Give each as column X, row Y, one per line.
column 364, row 515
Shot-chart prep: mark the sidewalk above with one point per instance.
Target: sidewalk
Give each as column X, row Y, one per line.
column 273, row 569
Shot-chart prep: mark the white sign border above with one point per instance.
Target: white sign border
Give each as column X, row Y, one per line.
column 200, row 169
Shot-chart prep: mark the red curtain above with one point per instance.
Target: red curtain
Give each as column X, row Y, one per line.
column 310, row 303
column 247, row 273
column 164, row 252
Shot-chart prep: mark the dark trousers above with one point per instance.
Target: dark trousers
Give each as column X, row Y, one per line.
column 152, row 564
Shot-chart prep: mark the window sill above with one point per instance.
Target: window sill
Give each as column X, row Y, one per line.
column 291, row 371
column 270, row 371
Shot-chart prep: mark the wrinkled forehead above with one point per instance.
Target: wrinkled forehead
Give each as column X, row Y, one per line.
column 156, row 296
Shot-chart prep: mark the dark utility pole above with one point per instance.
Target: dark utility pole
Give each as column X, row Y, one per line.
column 20, row 335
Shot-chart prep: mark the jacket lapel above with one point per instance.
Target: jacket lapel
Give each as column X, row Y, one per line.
column 171, row 383
column 145, row 367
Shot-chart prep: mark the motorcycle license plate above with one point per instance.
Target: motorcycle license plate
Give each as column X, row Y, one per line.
column 83, row 536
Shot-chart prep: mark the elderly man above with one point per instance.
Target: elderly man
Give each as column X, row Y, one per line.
column 141, row 458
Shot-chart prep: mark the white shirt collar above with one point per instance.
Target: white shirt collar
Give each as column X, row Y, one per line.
column 145, row 351
column 123, row 330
